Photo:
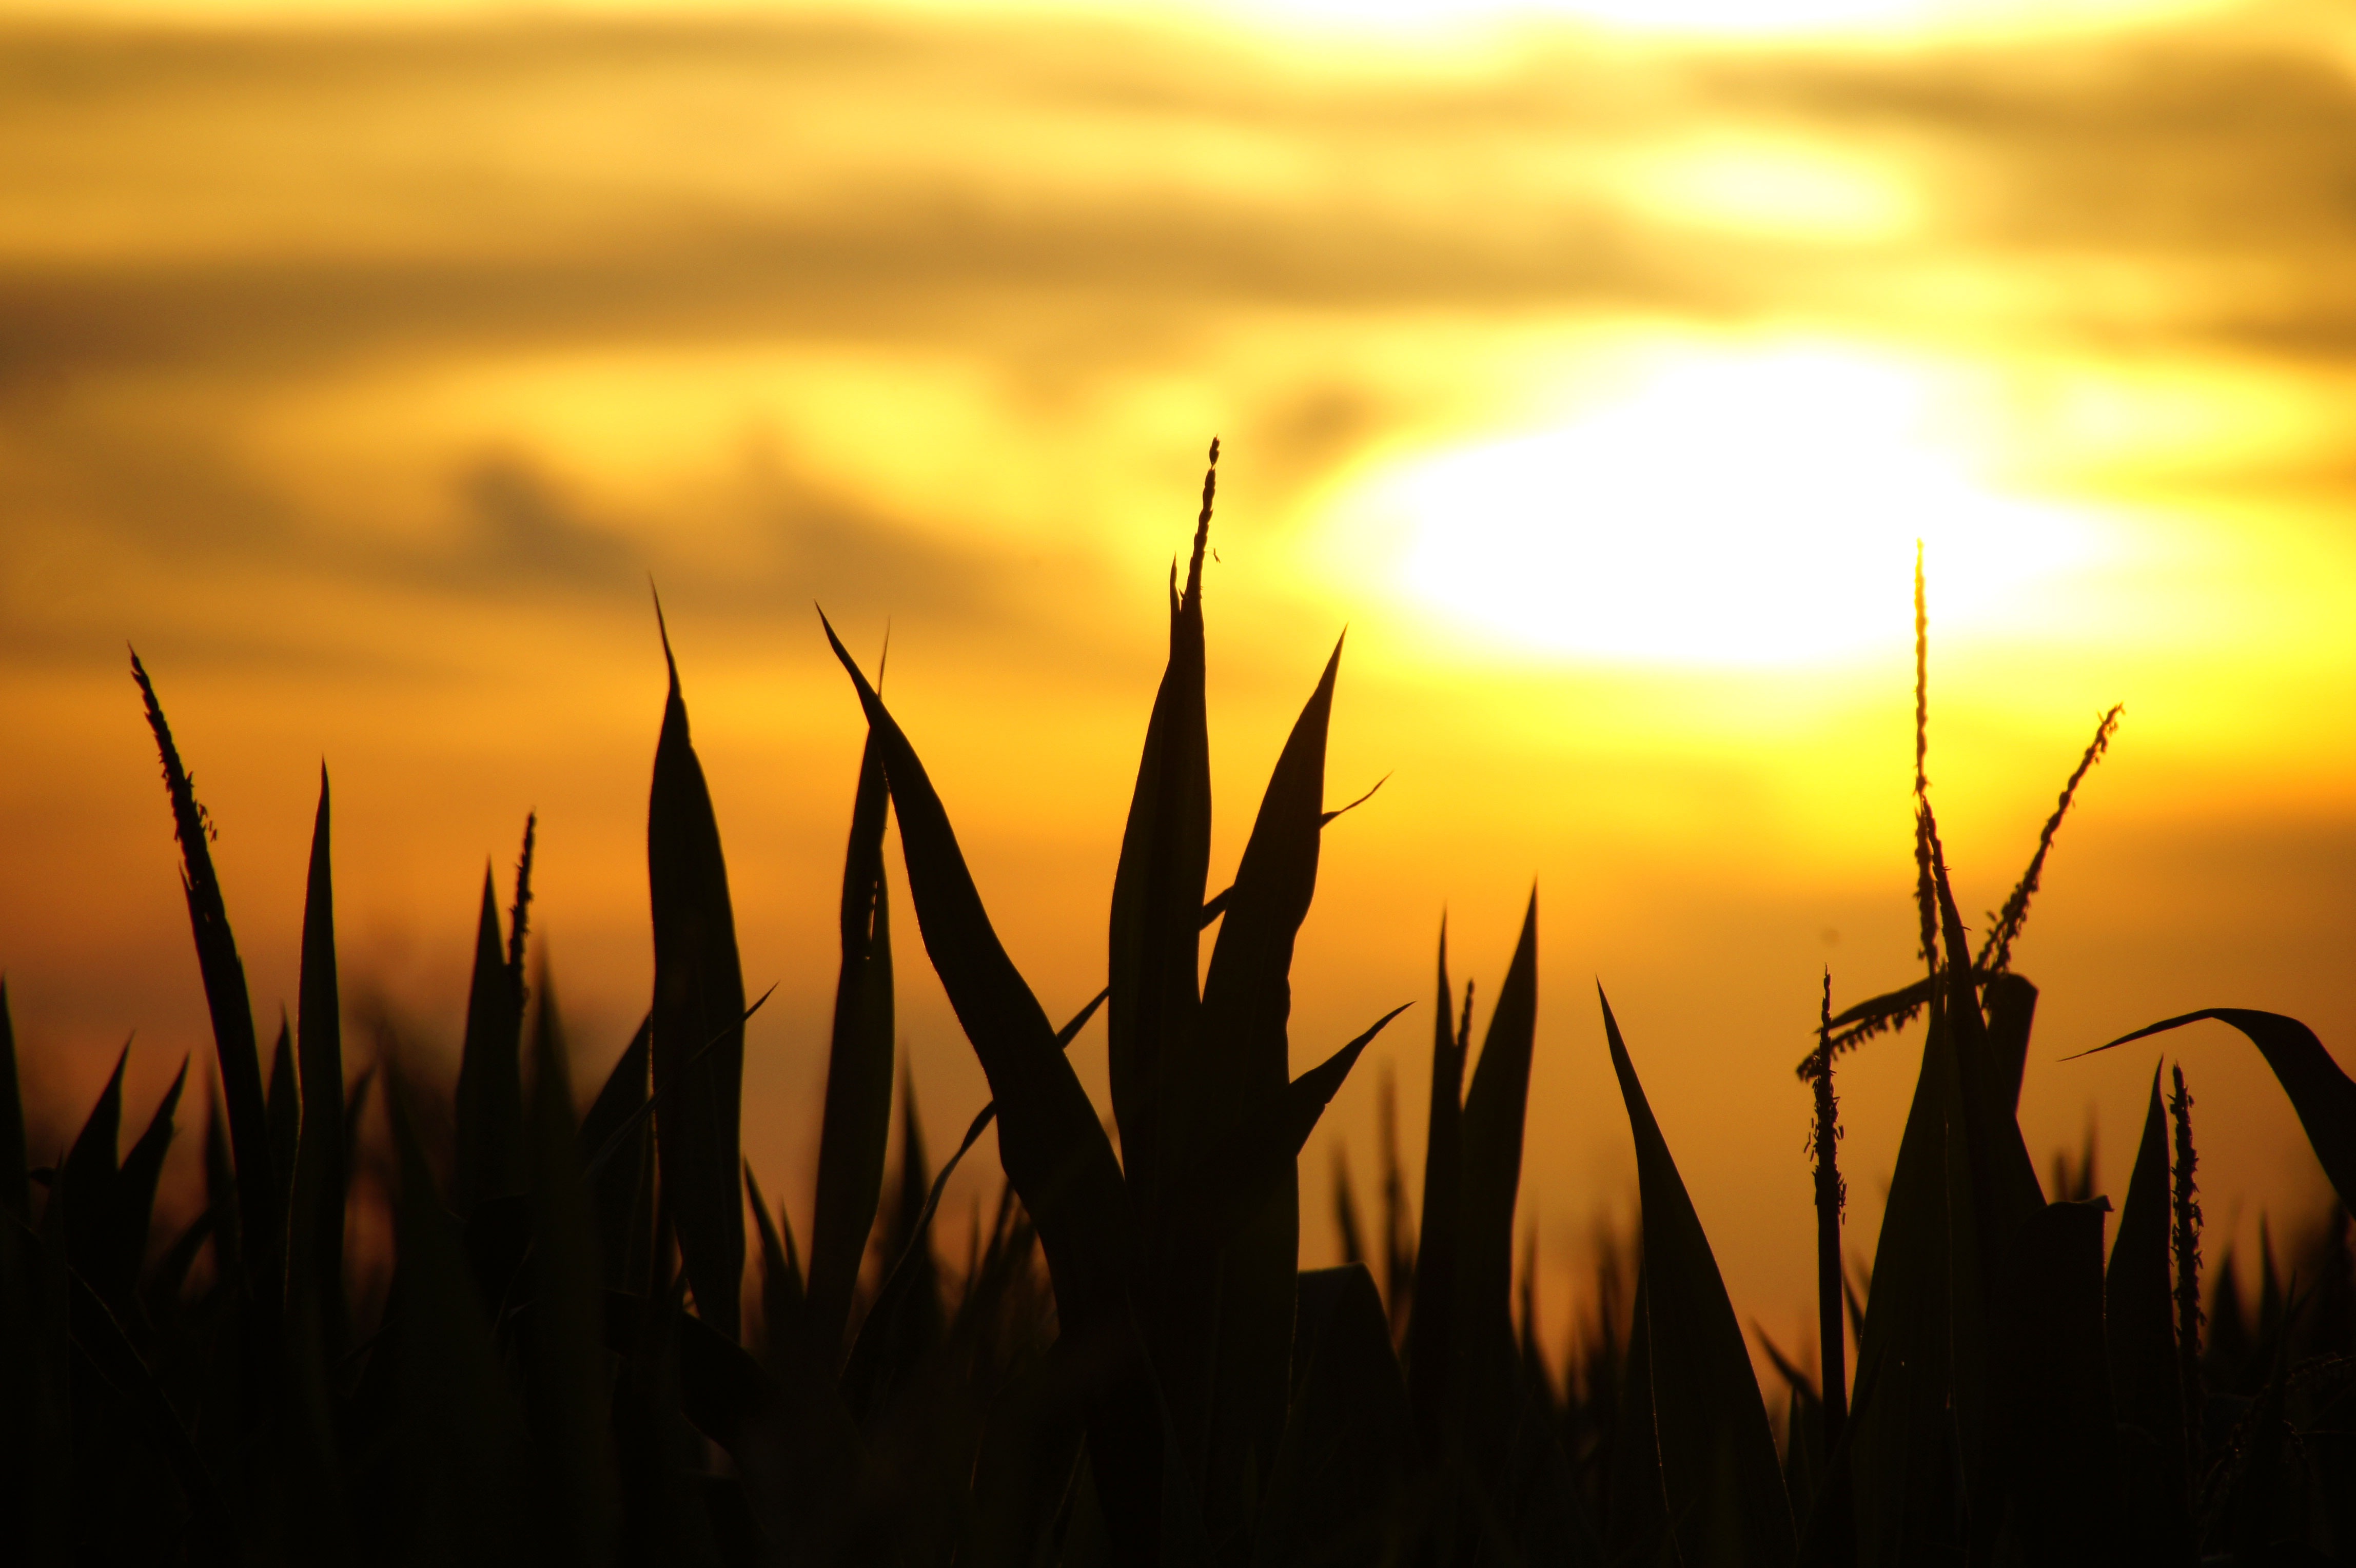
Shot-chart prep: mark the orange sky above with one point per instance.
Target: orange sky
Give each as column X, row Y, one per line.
column 1598, row 379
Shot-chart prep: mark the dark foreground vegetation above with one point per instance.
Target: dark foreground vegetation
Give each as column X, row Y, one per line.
column 557, row 1365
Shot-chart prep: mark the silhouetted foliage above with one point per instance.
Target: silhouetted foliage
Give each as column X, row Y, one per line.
column 1128, row 1365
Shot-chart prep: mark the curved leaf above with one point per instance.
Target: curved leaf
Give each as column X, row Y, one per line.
column 1227, row 1189
column 857, row 1117
column 226, row 999
column 1243, row 1055
column 2319, row 1092
column 1154, row 951
column 699, row 998
column 1055, row 1151
column 1719, row 1476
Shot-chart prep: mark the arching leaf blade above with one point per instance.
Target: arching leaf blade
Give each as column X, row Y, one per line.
column 857, row 1120
column 1720, row 1475
column 2319, row 1092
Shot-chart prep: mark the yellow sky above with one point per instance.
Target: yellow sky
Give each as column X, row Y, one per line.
column 1599, row 377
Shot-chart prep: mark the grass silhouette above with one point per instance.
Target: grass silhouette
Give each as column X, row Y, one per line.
column 1128, row 1367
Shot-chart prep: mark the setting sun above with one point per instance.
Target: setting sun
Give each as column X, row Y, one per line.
column 1720, row 507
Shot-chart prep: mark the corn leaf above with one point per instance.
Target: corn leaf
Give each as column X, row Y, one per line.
column 2061, row 1453
column 461, row 1452
column 489, row 1107
column 1636, row 1519
column 36, row 1446
column 1226, row 1191
column 1993, row 1197
column 1722, row 1485
column 911, row 1263
column 1154, row 942
column 100, row 1341
column 1242, row 1058
column 698, row 1011
column 1053, row 1149
column 231, row 1010
column 623, row 1184
column 1335, row 1489
column 2319, row 1092
column 316, row 1235
column 133, row 1199
column 284, row 1100
column 781, row 1274
column 1432, row 1336
column 85, row 1179
column 906, row 1324
column 1495, row 1109
column 1900, row 1433
column 2139, row 1333
column 858, row 1116
column 565, row 1372
column 2009, row 1002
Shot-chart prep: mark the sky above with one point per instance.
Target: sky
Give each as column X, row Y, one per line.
column 1596, row 366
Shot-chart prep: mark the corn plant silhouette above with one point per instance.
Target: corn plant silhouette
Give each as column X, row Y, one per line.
column 1128, row 1365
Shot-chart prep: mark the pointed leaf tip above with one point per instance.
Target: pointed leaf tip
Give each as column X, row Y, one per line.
column 662, row 630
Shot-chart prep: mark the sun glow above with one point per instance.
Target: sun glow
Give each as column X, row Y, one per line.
column 1718, row 509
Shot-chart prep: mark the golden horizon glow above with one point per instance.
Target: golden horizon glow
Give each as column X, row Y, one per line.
column 1597, row 364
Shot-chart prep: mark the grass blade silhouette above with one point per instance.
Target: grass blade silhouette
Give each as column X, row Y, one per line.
column 284, row 1100
column 1153, row 946
column 905, row 1270
column 316, row 1223
column 622, row 1188
column 1430, row 1329
column 2146, row 1387
column 2319, row 1092
column 565, row 1371
column 1993, row 1197
column 1720, row 1475
column 1226, row 1189
column 1495, row 1108
column 461, row 1453
column 1337, row 1486
column 699, row 997
column 231, row 1010
column 1243, row 1056
column 2061, row 1437
column 133, row 1201
column 85, row 1179
column 489, row 1107
column 858, row 1116
column 1055, row 1151
column 781, row 1274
